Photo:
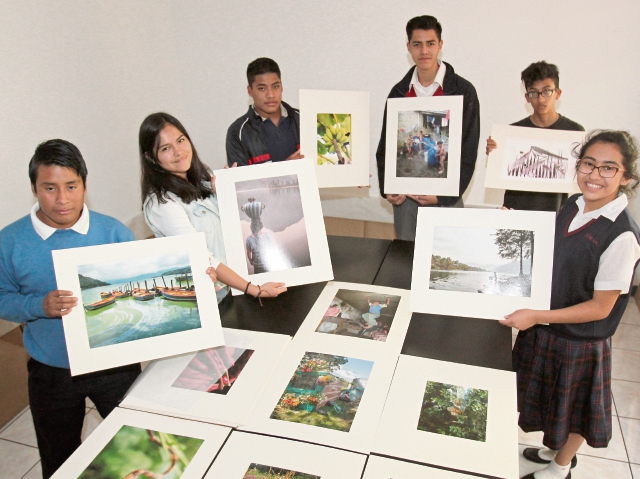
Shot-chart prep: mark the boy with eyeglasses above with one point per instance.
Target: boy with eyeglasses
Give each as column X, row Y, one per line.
column 542, row 82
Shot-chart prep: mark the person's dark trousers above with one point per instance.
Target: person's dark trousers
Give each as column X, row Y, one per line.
column 57, row 403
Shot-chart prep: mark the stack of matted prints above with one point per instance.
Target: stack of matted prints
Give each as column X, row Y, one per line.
column 141, row 300
column 218, row 385
column 334, row 131
column 252, row 456
column 272, row 223
column 130, row 444
column 451, row 415
column 385, row 468
column 533, row 159
column 482, row 263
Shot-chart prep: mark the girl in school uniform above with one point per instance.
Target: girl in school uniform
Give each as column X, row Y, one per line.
column 562, row 357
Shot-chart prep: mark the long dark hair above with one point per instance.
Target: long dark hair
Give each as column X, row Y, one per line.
column 155, row 179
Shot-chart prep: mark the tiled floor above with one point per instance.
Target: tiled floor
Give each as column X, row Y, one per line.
column 621, row 460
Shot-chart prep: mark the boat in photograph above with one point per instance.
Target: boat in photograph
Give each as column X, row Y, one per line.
column 100, row 304
column 122, row 294
column 105, row 294
column 178, row 295
column 142, row 295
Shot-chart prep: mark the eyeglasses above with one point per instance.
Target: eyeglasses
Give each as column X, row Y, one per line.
column 544, row 93
column 605, row 171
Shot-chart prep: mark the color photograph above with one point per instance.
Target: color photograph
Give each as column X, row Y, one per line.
column 334, row 138
column 482, row 260
column 324, row 391
column 360, row 314
column 135, row 452
column 422, row 144
column 259, row 471
column 138, row 298
column 527, row 158
column 214, row 370
column 454, row 411
column 273, row 225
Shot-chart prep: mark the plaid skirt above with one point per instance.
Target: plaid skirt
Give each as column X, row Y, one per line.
column 564, row 386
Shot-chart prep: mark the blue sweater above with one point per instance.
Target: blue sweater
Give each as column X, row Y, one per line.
column 27, row 276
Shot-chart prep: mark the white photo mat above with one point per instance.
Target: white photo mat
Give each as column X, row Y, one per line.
column 448, row 186
column 360, row 434
column 153, row 390
column 355, row 103
column 83, row 358
column 320, row 269
column 243, row 449
column 213, row 436
column 515, row 141
column 478, row 305
column 398, row 435
column 307, row 331
column 385, row 468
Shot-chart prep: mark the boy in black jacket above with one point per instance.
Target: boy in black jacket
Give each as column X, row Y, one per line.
column 430, row 77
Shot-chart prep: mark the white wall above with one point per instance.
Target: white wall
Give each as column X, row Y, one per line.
column 90, row 72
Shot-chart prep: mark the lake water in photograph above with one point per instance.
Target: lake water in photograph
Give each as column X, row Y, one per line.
column 129, row 320
column 480, row 282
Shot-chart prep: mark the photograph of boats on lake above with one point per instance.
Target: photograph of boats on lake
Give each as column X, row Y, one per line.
column 273, row 226
column 482, row 260
column 128, row 300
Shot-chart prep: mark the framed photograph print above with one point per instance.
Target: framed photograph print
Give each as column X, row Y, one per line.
column 482, row 263
column 138, row 301
column 375, row 317
column 333, row 396
column 533, row 159
column 334, row 132
column 272, row 223
column 138, row 444
column 451, row 415
column 424, row 137
column 253, row 456
column 385, row 468
column 218, row 385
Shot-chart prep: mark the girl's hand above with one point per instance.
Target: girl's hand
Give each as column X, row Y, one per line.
column 521, row 319
column 211, row 272
column 271, row 290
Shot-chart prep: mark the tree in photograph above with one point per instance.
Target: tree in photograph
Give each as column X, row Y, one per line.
column 514, row 244
column 318, row 362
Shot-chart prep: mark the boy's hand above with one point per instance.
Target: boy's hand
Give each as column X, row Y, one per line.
column 58, row 303
column 396, row 200
column 491, row 145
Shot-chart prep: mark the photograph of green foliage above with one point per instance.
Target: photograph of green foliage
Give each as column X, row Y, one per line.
column 334, row 139
column 324, row 391
column 259, row 471
column 454, row 411
column 135, row 453
column 482, row 260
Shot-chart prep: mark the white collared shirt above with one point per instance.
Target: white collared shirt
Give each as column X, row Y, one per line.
column 283, row 112
column 615, row 267
column 431, row 89
column 44, row 231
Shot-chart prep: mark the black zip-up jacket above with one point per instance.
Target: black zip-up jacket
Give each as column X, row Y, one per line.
column 245, row 140
column 453, row 84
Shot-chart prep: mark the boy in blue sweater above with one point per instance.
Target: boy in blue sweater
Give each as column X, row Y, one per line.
column 29, row 295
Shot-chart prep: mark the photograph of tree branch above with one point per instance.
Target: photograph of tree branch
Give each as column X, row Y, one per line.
column 135, row 452
column 482, row 260
column 454, row 411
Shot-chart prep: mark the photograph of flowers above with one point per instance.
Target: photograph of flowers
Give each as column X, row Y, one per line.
column 334, row 132
column 218, row 385
column 140, row 301
column 254, row 456
column 451, row 415
column 533, row 159
column 132, row 444
column 482, row 263
column 272, row 223
column 422, row 154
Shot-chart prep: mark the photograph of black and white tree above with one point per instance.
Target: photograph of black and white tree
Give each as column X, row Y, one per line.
column 273, row 225
column 423, row 144
column 454, row 411
column 527, row 158
column 482, row 260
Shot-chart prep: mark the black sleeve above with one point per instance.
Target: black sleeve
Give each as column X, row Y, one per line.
column 380, row 152
column 469, row 147
column 235, row 150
